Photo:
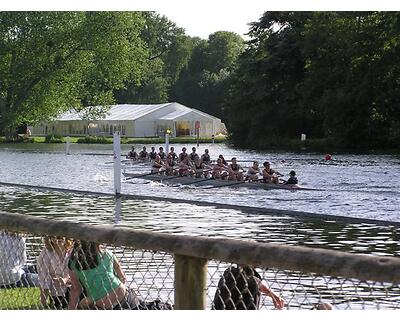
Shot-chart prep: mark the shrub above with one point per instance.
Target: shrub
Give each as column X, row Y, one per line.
column 53, row 138
column 94, row 139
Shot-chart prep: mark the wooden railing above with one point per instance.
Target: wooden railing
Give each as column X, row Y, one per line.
column 192, row 253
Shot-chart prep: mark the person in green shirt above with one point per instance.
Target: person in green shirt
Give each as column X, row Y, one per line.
column 99, row 273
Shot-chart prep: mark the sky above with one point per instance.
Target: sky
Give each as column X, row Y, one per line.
column 202, row 17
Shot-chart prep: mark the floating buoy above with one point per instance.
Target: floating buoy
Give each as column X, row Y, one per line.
column 328, row 157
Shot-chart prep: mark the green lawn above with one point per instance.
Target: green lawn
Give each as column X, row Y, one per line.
column 19, row 298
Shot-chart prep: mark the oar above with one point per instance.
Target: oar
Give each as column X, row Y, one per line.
column 197, row 180
column 144, row 175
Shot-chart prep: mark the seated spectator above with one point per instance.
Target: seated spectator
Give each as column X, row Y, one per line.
column 240, row 288
column 54, row 279
column 99, row 273
column 14, row 271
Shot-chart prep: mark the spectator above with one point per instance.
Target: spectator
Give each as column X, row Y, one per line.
column 14, row 271
column 54, row 279
column 239, row 289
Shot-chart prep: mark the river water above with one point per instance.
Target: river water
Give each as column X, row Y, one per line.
column 358, row 186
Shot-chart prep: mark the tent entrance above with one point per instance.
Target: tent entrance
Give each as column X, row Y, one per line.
column 182, row 128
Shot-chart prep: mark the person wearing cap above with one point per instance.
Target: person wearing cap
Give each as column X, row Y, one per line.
column 292, row 179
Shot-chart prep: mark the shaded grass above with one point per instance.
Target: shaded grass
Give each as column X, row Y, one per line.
column 19, row 298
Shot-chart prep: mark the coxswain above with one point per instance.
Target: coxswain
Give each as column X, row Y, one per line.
column 223, row 160
column 143, row 154
column 169, row 165
column 205, row 158
column 161, row 153
column 292, row 178
column 157, row 164
column 152, row 154
column 182, row 155
column 270, row 175
column 132, row 154
column 193, row 155
column 235, row 170
column 219, row 170
column 253, row 172
column 172, row 153
column 184, row 166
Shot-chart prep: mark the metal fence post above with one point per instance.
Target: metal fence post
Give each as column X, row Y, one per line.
column 190, row 283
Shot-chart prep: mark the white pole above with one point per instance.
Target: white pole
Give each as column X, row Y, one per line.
column 68, row 145
column 166, row 143
column 117, row 163
column 118, row 206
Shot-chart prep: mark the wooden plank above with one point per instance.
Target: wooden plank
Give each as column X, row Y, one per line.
column 190, row 283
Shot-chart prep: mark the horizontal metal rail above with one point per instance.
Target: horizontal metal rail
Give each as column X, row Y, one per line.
column 283, row 257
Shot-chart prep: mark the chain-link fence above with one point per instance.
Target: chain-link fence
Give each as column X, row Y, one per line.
column 56, row 264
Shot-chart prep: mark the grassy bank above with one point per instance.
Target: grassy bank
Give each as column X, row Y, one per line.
column 19, row 298
column 107, row 140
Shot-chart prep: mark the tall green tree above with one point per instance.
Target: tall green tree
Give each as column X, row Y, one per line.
column 168, row 52
column 52, row 61
column 204, row 83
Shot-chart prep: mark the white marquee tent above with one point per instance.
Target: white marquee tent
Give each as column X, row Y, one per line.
column 135, row 120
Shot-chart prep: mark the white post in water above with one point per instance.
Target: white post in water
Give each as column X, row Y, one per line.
column 117, row 163
column 303, row 137
column 68, row 145
column 167, row 141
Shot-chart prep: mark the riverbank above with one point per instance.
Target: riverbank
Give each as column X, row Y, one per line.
column 323, row 145
column 109, row 140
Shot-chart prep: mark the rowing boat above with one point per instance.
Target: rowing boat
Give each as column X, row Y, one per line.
column 173, row 180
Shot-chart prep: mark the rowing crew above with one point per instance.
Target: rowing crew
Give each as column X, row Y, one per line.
column 220, row 170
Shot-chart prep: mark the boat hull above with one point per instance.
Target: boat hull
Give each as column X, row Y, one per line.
column 212, row 183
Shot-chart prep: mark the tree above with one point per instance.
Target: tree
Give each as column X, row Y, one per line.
column 52, row 61
column 169, row 50
column 205, row 82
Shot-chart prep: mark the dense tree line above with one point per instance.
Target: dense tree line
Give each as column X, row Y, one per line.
column 332, row 75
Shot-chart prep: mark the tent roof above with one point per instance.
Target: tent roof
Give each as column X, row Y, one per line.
column 136, row 111
column 118, row 112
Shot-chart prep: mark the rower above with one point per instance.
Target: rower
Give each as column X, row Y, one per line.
column 205, row 158
column 157, row 164
column 172, row 153
column 184, row 166
column 182, row 155
column 152, row 154
column 143, row 154
column 219, row 171
column 253, row 172
column 223, row 160
column 161, row 153
column 193, row 155
column 199, row 168
column 132, row 154
column 293, row 179
column 270, row 175
column 169, row 165
column 235, row 170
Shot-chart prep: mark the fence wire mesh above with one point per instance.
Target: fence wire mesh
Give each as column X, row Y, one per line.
column 39, row 272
